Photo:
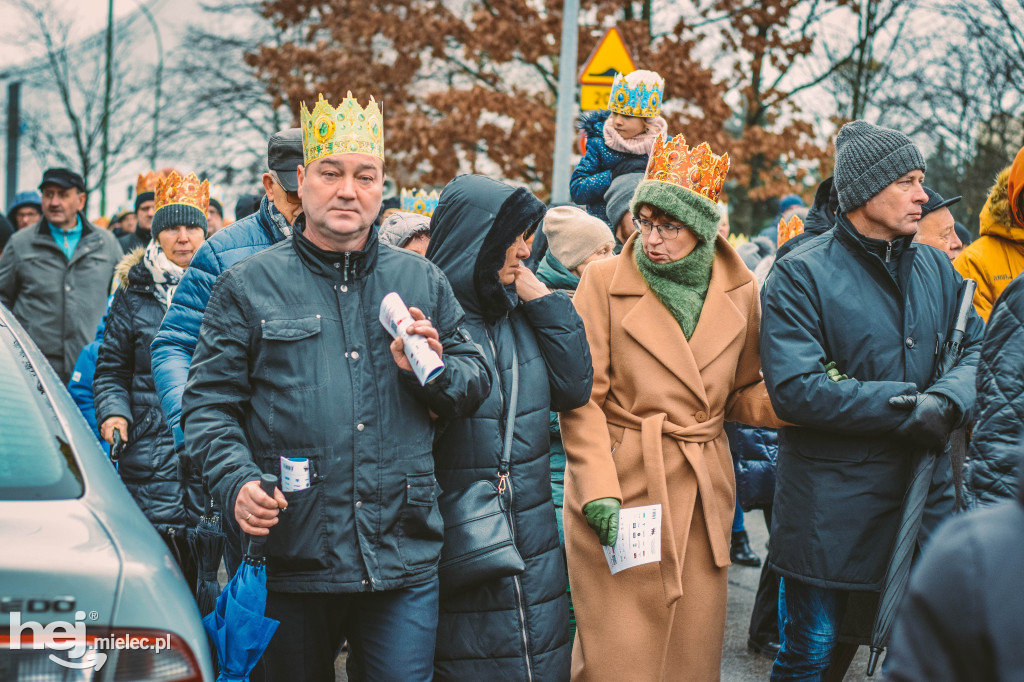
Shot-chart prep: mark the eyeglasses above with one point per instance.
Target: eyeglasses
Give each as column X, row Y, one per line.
column 667, row 232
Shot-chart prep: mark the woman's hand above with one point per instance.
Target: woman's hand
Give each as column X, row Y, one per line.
column 108, row 426
column 603, row 517
column 528, row 286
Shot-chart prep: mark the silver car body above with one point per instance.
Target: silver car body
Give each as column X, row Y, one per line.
column 79, row 551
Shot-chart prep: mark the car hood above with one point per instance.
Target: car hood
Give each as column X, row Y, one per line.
column 59, row 559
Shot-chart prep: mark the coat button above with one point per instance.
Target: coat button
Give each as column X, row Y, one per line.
column 701, row 416
column 355, row 355
column 360, row 427
column 359, row 504
column 910, row 342
column 344, row 287
column 365, row 582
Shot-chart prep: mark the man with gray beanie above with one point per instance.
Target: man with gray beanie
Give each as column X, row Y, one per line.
column 867, row 298
column 617, row 199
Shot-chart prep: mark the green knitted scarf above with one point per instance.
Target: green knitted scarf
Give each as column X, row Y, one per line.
column 680, row 285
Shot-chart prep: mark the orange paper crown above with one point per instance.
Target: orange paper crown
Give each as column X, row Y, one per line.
column 791, row 229
column 175, row 189
column 698, row 169
column 147, row 182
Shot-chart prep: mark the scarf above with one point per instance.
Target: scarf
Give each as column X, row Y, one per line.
column 166, row 275
column 680, row 285
column 642, row 144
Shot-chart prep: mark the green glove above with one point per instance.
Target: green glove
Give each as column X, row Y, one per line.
column 603, row 516
column 833, row 373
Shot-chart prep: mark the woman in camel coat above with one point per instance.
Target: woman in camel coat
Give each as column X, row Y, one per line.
column 673, row 332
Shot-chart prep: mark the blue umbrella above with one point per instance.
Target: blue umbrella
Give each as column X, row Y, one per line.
column 237, row 626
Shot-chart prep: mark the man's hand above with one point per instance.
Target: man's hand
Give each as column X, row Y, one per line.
column 422, row 326
column 108, row 426
column 255, row 511
column 931, row 418
column 528, row 286
column 603, row 517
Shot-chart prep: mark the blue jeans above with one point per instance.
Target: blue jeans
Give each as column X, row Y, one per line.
column 390, row 635
column 812, row 618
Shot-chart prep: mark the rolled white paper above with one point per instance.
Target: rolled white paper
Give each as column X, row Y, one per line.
column 395, row 317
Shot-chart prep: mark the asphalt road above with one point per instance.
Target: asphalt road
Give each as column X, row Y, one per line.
column 738, row 664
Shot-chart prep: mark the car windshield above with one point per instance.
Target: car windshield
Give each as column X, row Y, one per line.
column 36, row 462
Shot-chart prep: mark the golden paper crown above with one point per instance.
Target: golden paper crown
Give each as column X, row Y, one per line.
column 419, row 202
column 697, row 169
column 349, row 129
column 175, row 189
column 791, row 229
column 638, row 94
column 148, row 181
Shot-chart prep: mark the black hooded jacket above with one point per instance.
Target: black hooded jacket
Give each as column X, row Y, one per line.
column 995, row 447
column 123, row 387
column 515, row 628
column 821, row 217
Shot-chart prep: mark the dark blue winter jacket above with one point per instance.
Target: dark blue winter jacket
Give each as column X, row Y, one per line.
column 175, row 342
column 80, row 386
column 593, row 174
column 754, row 453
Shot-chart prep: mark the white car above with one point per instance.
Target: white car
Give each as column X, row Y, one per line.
column 88, row 591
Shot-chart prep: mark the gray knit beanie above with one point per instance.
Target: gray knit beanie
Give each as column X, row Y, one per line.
column 619, row 194
column 173, row 215
column 868, row 159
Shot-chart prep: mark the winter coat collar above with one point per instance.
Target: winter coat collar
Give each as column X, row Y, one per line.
column 476, row 220
column 996, row 220
column 85, row 246
column 334, row 265
column 652, row 325
column 642, row 144
column 896, row 258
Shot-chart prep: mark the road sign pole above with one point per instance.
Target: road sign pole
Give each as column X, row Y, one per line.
column 566, row 102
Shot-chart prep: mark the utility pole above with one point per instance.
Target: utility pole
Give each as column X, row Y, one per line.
column 105, row 147
column 566, row 102
column 13, row 133
column 159, row 78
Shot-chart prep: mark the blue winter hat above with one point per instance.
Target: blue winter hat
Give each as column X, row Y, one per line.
column 26, row 198
column 789, row 201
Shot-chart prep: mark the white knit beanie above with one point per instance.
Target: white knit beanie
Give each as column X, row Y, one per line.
column 574, row 235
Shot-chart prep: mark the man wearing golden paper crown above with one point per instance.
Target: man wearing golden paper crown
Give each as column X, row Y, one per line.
column 294, row 375
column 145, row 209
column 672, row 323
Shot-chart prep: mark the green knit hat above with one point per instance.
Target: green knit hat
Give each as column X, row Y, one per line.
column 695, row 211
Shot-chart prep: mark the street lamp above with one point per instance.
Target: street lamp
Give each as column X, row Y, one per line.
column 159, row 77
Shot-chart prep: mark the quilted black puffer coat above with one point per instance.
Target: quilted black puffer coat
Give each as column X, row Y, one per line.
column 514, row 628
column 994, row 453
column 123, row 386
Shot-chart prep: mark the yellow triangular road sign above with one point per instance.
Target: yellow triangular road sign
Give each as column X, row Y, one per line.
column 610, row 56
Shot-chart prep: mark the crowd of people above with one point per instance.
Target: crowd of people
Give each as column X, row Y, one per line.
column 621, row 352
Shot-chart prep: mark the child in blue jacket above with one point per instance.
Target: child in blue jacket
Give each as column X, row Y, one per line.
column 620, row 139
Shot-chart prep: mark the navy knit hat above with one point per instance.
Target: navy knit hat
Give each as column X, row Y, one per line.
column 142, row 198
column 868, row 159
column 173, row 215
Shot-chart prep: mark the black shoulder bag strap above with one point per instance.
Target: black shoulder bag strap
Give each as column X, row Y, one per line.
column 510, row 422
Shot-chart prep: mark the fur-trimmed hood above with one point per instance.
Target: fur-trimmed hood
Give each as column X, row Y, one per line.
column 593, row 123
column 476, row 220
column 996, row 220
column 133, row 258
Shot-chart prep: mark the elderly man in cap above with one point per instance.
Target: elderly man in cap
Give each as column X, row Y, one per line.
column 175, row 342
column 937, row 227
column 56, row 276
column 293, row 362
column 865, row 297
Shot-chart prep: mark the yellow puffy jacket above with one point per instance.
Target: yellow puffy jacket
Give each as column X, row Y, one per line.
column 997, row 256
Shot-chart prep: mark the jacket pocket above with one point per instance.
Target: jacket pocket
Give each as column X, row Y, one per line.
column 420, row 529
column 292, row 356
column 298, row 543
column 139, row 460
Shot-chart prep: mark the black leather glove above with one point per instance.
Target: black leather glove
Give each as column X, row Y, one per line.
column 631, row 164
column 931, row 419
